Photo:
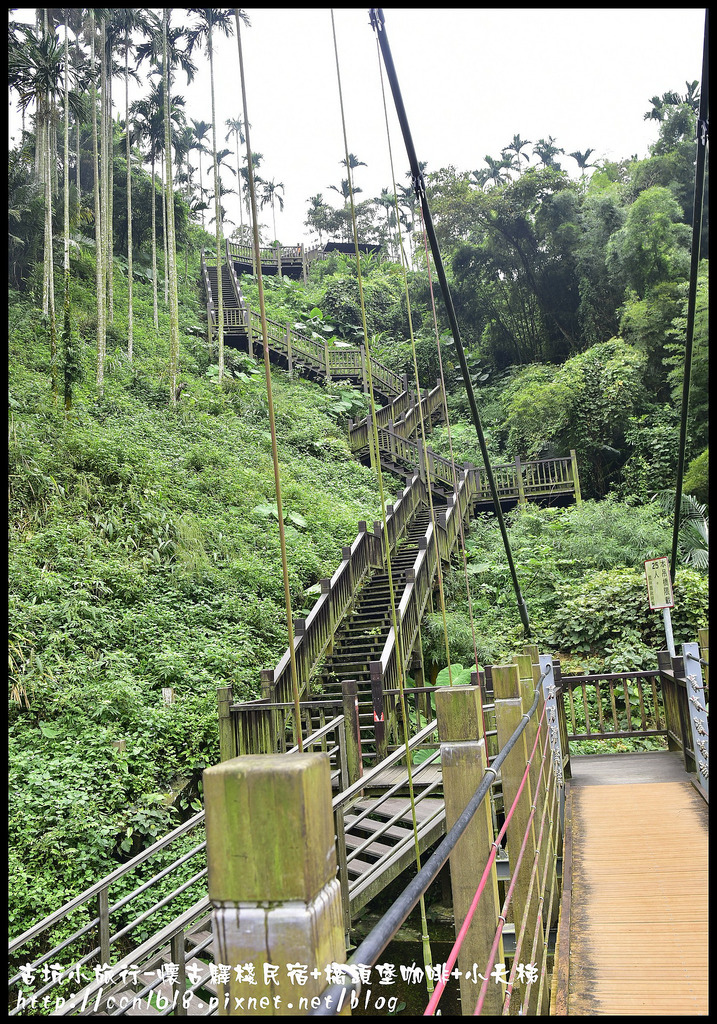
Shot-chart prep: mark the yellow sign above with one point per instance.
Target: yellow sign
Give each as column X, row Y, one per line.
column 659, row 585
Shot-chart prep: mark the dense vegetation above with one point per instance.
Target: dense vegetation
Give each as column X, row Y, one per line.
column 143, row 551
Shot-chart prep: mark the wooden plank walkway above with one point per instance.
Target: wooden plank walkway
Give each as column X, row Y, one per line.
column 638, row 908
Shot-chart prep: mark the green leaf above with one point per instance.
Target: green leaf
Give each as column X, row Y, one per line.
column 298, row 520
column 266, row 510
column 51, row 732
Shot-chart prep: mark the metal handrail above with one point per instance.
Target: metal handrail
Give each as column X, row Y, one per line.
column 381, row 934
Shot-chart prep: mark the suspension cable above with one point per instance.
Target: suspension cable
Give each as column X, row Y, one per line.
column 377, row 20
column 394, row 618
column 439, row 569
column 702, row 137
column 270, row 401
column 453, row 461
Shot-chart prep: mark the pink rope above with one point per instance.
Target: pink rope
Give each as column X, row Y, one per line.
column 508, row 897
column 453, row 956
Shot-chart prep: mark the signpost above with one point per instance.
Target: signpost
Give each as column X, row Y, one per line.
column 659, row 594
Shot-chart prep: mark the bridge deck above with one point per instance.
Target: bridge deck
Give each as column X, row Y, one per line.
column 638, row 906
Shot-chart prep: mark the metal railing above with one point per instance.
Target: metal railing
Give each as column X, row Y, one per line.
column 375, row 943
column 107, row 933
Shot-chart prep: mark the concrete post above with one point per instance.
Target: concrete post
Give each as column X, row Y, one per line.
column 464, row 761
column 272, row 880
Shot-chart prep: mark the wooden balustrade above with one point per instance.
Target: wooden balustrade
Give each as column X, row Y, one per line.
column 614, row 705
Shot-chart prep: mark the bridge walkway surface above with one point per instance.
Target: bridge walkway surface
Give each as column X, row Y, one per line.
column 635, row 881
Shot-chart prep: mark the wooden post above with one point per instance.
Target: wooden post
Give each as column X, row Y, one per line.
column 289, row 354
column 302, row 249
column 227, row 739
column 557, row 681
column 519, row 480
column 683, row 709
column 576, row 478
column 379, row 717
column 103, row 912
column 669, row 700
column 704, row 641
column 508, row 713
column 349, row 689
column 464, row 761
column 272, row 879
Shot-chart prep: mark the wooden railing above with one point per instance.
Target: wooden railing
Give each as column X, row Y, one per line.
column 401, row 415
column 314, row 635
column 618, row 705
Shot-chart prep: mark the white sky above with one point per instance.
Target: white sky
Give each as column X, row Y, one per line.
column 470, row 80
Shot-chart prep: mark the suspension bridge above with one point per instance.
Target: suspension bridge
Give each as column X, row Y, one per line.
column 592, row 896
column 577, row 882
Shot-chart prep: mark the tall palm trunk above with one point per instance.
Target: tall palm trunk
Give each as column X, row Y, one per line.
column 106, row 254
column 171, row 246
column 100, row 277
column 50, row 276
column 164, row 233
column 130, row 311
column 201, row 183
column 154, row 245
column 109, row 229
column 217, row 213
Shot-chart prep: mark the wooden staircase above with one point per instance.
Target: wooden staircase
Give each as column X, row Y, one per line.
column 363, row 634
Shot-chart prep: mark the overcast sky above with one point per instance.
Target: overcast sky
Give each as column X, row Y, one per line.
column 470, row 80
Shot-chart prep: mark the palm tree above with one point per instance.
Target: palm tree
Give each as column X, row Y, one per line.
column 546, row 151
column 256, row 159
column 201, row 134
column 236, row 128
column 99, row 249
column 387, row 201
column 316, row 216
column 149, row 125
column 582, row 159
column 516, row 146
column 354, row 162
column 130, row 20
column 211, row 18
column 271, row 195
column 496, row 171
column 171, row 241
column 692, row 96
column 36, row 72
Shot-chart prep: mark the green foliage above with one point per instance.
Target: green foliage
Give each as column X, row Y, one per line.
column 696, row 480
column 584, row 405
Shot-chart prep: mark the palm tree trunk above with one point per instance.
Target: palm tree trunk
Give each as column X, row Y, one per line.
column 217, row 213
column 154, row 248
column 130, row 311
column 50, row 276
column 105, row 173
column 100, row 277
column 171, row 244
column 201, row 182
column 164, row 232
column 110, row 201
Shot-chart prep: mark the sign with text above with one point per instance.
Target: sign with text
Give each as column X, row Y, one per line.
column 659, row 585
